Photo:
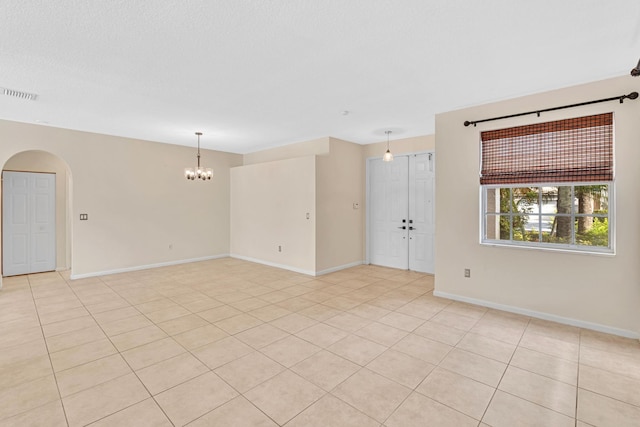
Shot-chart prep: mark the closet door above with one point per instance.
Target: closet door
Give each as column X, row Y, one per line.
column 28, row 223
column 421, row 213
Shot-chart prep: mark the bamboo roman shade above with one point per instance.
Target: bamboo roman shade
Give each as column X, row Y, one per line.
column 571, row 150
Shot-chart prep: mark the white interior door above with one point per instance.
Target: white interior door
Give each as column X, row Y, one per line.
column 421, row 213
column 388, row 200
column 28, row 222
column 401, row 212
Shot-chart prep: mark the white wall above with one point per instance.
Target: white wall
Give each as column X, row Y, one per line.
column 136, row 196
column 269, row 206
column 41, row 161
column 601, row 292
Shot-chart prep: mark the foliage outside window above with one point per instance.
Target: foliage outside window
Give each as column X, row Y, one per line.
column 557, row 216
column 549, row 184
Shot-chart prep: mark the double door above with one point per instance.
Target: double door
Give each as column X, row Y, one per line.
column 401, row 212
column 28, row 222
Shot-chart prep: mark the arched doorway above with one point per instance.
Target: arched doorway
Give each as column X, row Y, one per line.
column 37, row 161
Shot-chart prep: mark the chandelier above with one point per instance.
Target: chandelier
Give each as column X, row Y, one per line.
column 199, row 172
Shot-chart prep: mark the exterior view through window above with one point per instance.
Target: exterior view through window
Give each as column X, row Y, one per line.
column 549, row 185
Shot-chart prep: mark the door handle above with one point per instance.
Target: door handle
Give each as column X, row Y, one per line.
column 404, row 227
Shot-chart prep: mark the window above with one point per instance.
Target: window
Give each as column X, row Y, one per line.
column 549, row 185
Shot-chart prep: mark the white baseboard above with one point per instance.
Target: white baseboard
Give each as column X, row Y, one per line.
column 541, row 315
column 273, row 264
column 145, row 267
column 338, row 268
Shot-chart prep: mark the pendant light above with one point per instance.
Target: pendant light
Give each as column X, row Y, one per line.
column 388, row 157
column 199, row 172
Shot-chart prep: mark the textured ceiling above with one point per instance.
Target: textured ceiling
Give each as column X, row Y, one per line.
column 254, row 74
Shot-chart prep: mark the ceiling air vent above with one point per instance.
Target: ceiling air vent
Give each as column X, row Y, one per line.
column 18, row 94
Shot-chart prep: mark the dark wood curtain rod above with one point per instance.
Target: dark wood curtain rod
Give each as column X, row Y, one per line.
column 621, row 98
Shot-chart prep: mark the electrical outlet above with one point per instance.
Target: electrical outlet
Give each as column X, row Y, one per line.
column 170, row 246
column 279, row 248
column 84, row 217
column 467, row 272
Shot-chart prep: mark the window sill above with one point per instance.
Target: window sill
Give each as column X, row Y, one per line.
column 604, row 252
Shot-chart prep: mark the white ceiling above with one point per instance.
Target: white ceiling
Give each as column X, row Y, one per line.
column 254, row 74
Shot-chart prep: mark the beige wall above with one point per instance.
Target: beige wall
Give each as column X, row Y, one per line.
column 41, row 161
column 136, row 196
column 400, row 146
column 594, row 290
column 340, row 178
column 269, row 206
column 307, row 148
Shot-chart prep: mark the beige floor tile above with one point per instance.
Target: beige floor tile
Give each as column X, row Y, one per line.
column 102, row 400
column 548, row 366
column 221, row 352
column 219, row 313
column 487, row 347
column 49, row 415
column 402, row 321
column 603, row 411
column 295, row 304
column 269, row 313
column 325, row 369
column 284, row 396
column 154, row 352
column 330, row 411
column 194, row 398
column 261, row 336
column 454, row 320
column 12, row 338
column 610, row 343
column 506, row 410
column 167, row 314
column 249, row 371
column 550, row 346
column 182, row 324
column 144, row 414
column 116, row 314
column 613, row 362
column 423, row 348
column 232, row 297
column 439, row 332
column 293, row 323
column 347, row 322
column 200, row 336
column 59, row 316
column 290, row 350
column 381, row 334
column 238, row 412
column 171, row 372
column 479, row 368
column 28, row 395
column 74, row 338
column 155, row 305
column 419, row 411
column 465, row 309
column 402, row 368
column 616, row 386
column 22, row 352
column 25, row 370
column 507, row 332
column 247, row 304
column 322, row 335
column 107, row 306
column 203, row 304
column 138, row 337
column 128, row 324
column 372, row 394
column 458, row 392
column 91, row 374
column 369, row 311
column 81, row 354
column 239, row 323
column 356, row 349
column 555, row 330
column 319, row 312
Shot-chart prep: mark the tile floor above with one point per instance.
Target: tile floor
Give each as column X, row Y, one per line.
column 231, row 343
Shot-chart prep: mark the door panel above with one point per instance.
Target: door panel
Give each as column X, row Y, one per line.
column 389, row 201
column 29, row 243
column 402, row 190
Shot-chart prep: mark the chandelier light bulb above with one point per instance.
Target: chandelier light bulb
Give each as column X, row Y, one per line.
column 388, row 157
column 199, row 172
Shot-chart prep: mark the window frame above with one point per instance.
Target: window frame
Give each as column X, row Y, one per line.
column 572, row 248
